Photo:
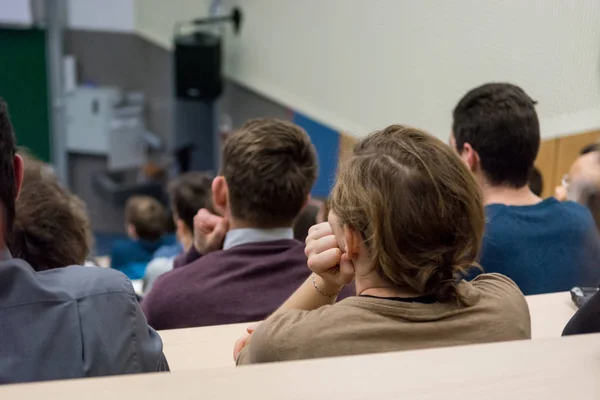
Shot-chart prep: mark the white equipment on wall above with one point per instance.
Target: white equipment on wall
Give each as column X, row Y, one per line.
column 106, row 121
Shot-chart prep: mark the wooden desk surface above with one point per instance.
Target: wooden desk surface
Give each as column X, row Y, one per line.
column 197, row 348
column 536, row 369
column 550, row 313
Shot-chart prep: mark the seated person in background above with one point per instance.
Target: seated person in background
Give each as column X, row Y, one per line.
column 63, row 323
column 586, row 319
column 560, row 192
column 406, row 220
column 536, row 182
column 245, row 264
column 187, row 194
column 306, row 219
column 51, row 227
column 146, row 221
column 590, row 148
column 543, row 245
column 582, row 185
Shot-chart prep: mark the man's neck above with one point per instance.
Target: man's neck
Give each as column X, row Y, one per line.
column 509, row 196
column 239, row 224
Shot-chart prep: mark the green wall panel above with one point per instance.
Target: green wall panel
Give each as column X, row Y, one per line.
column 24, row 86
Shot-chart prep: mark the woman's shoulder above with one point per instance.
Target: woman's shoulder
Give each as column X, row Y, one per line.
column 501, row 292
column 497, row 284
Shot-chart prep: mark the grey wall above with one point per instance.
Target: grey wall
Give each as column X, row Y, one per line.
column 132, row 63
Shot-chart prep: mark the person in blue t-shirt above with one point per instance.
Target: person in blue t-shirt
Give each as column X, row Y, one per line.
column 146, row 222
column 543, row 245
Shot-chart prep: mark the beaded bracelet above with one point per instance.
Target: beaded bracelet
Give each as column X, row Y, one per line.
column 320, row 291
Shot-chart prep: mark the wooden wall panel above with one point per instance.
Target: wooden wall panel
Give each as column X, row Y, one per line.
column 546, row 163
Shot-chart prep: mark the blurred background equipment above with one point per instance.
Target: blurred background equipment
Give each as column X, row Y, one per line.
column 198, row 84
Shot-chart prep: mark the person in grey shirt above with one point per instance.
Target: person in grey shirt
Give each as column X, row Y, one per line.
column 69, row 322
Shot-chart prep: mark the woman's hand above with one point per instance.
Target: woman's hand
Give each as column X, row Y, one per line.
column 327, row 260
column 244, row 340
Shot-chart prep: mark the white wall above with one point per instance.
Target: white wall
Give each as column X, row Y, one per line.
column 361, row 64
column 15, row 12
column 155, row 19
column 101, row 15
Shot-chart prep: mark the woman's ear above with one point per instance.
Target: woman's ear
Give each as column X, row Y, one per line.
column 352, row 240
column 220, row 195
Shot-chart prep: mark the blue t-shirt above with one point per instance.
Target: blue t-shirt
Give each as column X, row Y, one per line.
column 546, row 247
column 131, row 257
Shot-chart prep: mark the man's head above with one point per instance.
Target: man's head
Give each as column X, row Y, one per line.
column 146, row 218
column 187, row 194
column 268, row 168
column 497, row 133
column 11, row 174
column 584, row 183
column 52, row 228
column 590, row 148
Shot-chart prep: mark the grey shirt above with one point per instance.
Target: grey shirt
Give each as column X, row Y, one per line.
column 71, row 322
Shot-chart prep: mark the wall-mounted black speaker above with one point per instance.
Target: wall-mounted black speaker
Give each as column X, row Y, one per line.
column 198, row 66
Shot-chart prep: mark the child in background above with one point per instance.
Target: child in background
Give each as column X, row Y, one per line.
column 146, row 220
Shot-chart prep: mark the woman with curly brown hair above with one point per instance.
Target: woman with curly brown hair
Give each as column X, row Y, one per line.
column 406, row 221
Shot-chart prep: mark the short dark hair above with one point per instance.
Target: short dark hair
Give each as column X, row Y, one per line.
column 500, row 122
column 52, row 228
column 189, row 193
column 592, row 147
column 536, row 182
column 148, row 216
column 269, row 166
column 8, row 185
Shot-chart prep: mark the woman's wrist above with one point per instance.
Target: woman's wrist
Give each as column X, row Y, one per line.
column 324, row 287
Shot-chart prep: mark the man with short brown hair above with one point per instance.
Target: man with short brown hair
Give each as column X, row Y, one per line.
column 244, row 264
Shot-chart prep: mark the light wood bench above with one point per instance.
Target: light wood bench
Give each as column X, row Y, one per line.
column 553, row 369
column 206, row 347
column 550, row 313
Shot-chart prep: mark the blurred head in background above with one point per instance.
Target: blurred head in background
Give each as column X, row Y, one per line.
column 187, row 194
column 145, row 218
column 497, row 134
column 583, row 183
column 267, row 171
column 51, row 227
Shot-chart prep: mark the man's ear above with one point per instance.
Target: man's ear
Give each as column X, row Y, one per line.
column 131, row 232
column 470, row 157
column 18, row 167
column 220, row 195
column 352, row 240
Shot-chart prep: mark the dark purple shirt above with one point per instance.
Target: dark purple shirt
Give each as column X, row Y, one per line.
column 245, row 283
